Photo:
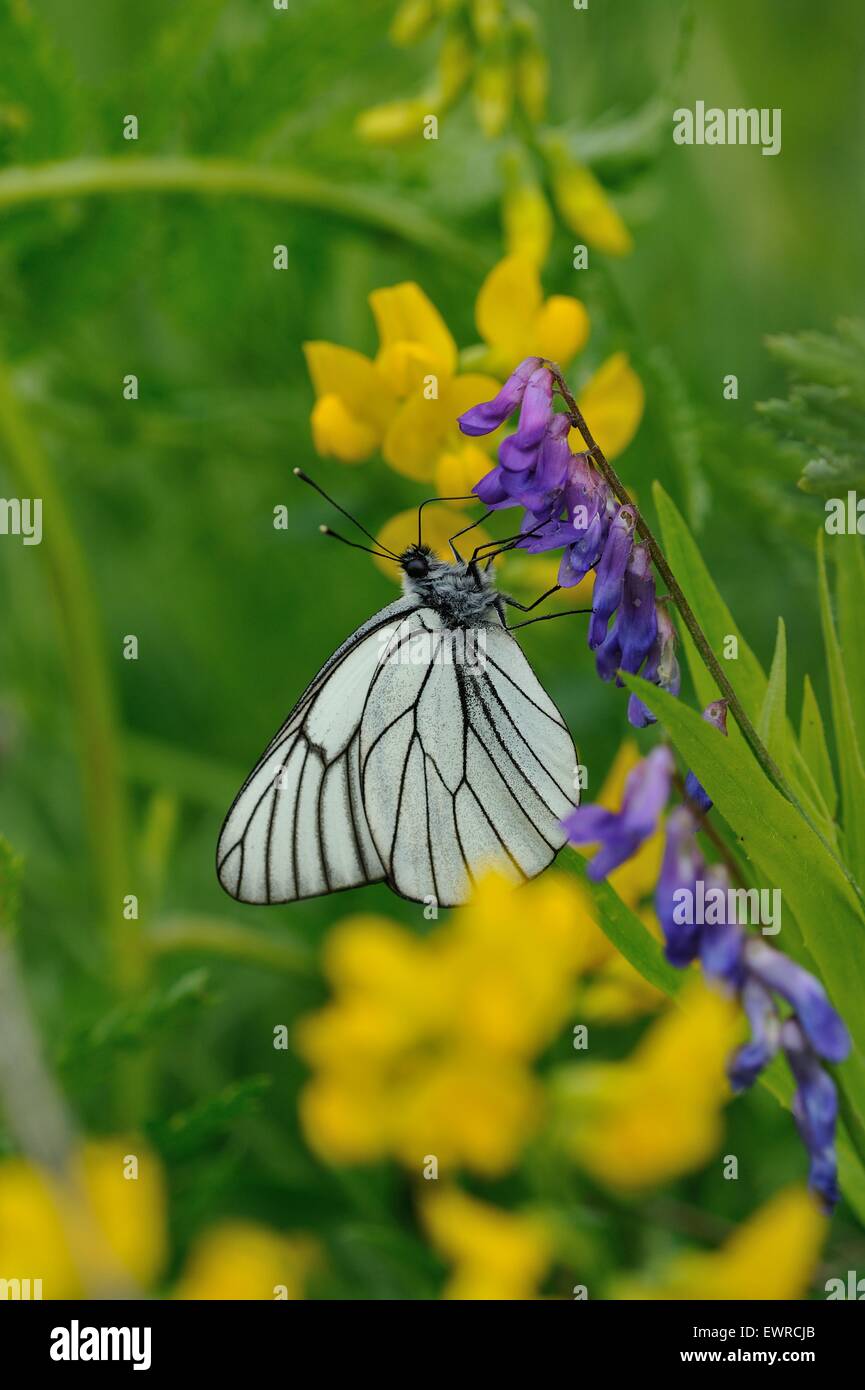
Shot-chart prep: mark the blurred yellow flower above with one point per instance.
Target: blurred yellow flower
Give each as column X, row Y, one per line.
column 117, row 1234
column 616, row 991
column 583, row 204
column 426, row 1046
column 496, row 1254
column 612, row 402
column 771, row 1256
column 45, row 1234
column 657, row 1114
column 239, row 1260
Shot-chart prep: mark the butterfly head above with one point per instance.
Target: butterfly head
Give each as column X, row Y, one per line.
column 418, row 561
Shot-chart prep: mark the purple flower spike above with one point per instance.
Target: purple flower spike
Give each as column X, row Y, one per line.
column 747, row 1063
column 721, row 943
column 622, row 832
column 610, row 576
column 716, row 714
column 815, row 1110
column 638, row 625
column 682, row 865
column 537, row 409
column 486, row 417
column 662, row 668
column 822, row 1026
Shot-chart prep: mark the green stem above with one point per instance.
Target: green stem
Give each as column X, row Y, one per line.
column 77, row 178
column 223, row 938
column 87, row 673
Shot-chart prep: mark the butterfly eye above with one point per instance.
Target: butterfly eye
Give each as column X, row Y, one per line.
column 416, row 567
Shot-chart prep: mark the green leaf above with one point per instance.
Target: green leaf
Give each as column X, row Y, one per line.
column 710, row 610
column 747, row 675
column 850, row 594
column 772, row 725
column 11, row 869
column 790, row 856
column 815, row 750
column 625, row 930
column 846, row 741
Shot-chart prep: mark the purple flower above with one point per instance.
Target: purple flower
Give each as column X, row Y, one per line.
column 716, row 714
column 486, row 417
column 722, row 943
column 749, row 1060
column 610, row 575
column 681, row 866
column 823, row 1027
column 662, row 667
column 622, row 832
column 815, row 1110
column 629, row 640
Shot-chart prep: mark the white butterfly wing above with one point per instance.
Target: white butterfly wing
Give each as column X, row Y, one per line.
column 464, row 764
column 297, row 826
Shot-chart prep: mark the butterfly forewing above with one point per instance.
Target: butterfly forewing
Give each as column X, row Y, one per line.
column 465, row 761
column 297, row 827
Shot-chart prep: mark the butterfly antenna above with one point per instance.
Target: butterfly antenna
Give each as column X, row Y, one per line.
column 355, row 545
column 305, row 478
column 464, row 497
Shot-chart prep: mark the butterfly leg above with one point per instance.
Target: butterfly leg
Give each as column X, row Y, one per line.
column 527, row 607
column 470, row 527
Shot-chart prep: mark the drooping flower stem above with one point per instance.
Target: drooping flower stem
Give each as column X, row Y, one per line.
column 605, row 468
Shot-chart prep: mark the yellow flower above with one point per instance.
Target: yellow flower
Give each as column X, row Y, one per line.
column 426, row 1047
column 771, row 1256
column 115, row 1239
column 658, row 1114
column 406, row 402
column 45, row 1234
column 612, row 402
column 583, row 204
column 515, row 321
column 496, row 1254
column 239, row 1260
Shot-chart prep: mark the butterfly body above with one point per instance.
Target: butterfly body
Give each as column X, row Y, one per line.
column 424, row 751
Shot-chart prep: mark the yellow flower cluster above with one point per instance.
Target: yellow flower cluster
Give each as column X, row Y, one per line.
column 495, row 1254
column 107, row 1231
column 406, row 400
column 426, row 1049
column 639, row 1122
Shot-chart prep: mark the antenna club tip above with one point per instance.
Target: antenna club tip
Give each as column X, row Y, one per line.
column 325, row 530
column 296, row 472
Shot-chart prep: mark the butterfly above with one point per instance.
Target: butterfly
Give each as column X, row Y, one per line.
column 424, row 751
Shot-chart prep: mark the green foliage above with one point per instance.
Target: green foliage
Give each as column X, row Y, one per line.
column 823, row 415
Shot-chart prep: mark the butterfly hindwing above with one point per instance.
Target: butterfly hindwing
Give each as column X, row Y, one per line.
column 465, row 762
column 297, row 827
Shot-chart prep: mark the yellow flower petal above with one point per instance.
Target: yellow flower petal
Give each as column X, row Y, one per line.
column 639, row 1122
column 131, row 1211
column 404, row 314
column 340, row 371
column 587, row 210
column 439, row 522
column 506, row 306
column 612, row 402
column 394, row 121
column 415, row 437
column 560, row 329
column 336, row 433
column 239, row 1260
column 771, row 1256
column 457, row 471
column 496, row 1254
column 528, row 223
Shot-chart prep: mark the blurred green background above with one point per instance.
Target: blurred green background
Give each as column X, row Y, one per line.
column 170, row 497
